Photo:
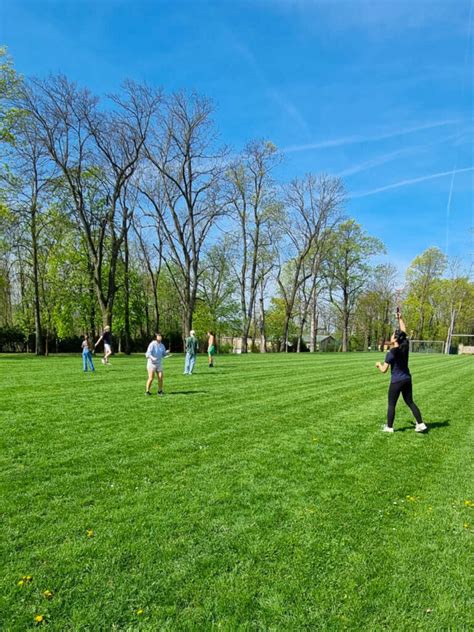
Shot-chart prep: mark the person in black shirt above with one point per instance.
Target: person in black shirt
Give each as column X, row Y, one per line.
column 397, row 359
column 107, row 338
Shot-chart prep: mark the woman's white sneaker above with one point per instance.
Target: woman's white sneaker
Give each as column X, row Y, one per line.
column 421, row 427
column 387, row 429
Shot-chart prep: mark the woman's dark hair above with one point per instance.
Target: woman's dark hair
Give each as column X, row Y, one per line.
column 402, row 339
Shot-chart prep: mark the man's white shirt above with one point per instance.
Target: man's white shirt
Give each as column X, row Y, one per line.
column 155, row 353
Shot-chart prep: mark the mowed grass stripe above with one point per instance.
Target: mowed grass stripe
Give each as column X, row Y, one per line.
column 236, row 508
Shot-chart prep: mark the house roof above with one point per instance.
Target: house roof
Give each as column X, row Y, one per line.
column 322, row 337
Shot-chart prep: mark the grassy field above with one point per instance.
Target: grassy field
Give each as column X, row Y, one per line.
column 260, row 495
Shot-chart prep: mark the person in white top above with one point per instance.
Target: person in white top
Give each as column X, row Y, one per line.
column 154, row 354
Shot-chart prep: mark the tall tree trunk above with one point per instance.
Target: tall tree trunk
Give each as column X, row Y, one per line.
column 254, row 328
column 39, row 349
column 188, row 320
column 450, row 331
column 155, row 302
column 263, row 341
column 303, row 317
column 92, row 298
column 127, row 341
column 147, row 322
column 300, row 335
column 286, row 328
column 345, row 322
column 345, row 333
column 313, row 322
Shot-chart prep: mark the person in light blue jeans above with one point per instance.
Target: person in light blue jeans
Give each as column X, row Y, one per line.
column 86, row 354
column 191, row 347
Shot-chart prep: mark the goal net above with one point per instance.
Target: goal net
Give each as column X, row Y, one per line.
column 426, row 346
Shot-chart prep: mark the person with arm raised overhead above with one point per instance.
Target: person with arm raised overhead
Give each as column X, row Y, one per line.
column 401, row 381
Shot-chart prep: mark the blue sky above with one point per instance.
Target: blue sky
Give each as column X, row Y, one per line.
column 379, row 92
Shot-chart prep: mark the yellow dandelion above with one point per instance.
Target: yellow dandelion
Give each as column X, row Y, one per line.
column 21, row 582
column 466, row 525
column 39, row 618
column 411, row 498
column 47, row 594
column 90, row 533
column 139, row 612
column 468, row 503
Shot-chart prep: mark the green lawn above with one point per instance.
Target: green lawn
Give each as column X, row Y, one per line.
column 260, row 495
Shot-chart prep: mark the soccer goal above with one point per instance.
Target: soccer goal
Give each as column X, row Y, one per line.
column 427, row 346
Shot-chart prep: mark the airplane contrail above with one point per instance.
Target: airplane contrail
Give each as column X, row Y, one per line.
column 352, row 140
column 404, row 183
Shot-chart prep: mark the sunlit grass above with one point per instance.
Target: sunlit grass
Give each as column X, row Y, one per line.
column 260, row 495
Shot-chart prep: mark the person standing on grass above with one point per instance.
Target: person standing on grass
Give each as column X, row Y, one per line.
column 87, row 354
column 211, row 348
column 154, row 354
column 190, row 347
column 107, row 338
column 397, row 359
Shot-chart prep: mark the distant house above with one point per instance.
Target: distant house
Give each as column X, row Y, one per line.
column 235, row 342
column 325, row 342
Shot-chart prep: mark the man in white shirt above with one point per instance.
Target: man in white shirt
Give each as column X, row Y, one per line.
column 154, row 354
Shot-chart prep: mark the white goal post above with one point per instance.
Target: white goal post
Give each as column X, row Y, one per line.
column 427, row 346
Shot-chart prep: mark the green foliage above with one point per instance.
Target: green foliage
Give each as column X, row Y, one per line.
column 10, row 84
column 217, row 310
column 11, row 339
column 375, row 311
column 420, row 305
column 275, row 319
column 347, row 270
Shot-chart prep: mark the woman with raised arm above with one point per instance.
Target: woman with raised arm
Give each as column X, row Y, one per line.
column 400, row 382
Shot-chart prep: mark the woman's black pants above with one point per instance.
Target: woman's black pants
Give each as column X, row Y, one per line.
column 405, row 388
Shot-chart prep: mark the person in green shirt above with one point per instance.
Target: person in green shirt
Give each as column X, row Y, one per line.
column 190, row 347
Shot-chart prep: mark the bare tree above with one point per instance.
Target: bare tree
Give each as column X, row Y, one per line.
column 314, row 205
column 251, row 201
column 26, row 181
column 182, row 185
column 152, row 255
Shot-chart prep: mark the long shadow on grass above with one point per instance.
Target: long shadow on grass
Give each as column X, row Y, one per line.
column 186, row 392
column 431, row 426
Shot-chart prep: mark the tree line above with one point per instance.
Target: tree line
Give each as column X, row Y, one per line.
column 129, row 211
